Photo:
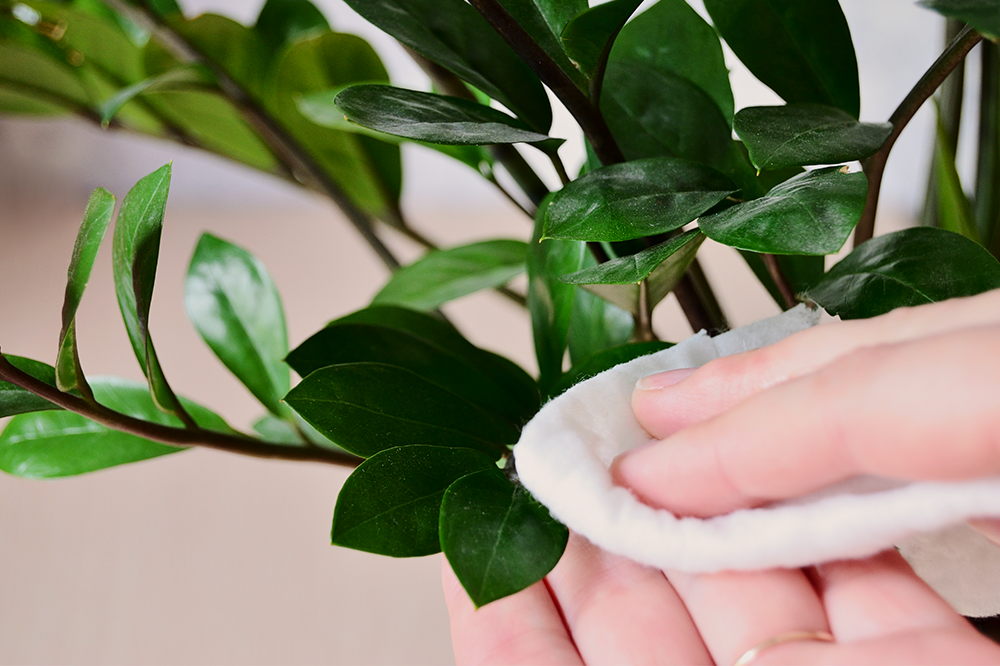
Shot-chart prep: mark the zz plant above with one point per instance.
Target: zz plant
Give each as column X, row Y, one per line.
column 427, row 418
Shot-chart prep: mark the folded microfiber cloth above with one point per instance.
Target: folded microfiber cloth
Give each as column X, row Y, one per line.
column 565, row 451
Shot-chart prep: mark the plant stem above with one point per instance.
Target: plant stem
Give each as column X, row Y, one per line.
column 874, row 166
column 575, row 100
column 780, row 281
column 197, row 436
column 987, row 209
column 695, row 296
column 644, row 318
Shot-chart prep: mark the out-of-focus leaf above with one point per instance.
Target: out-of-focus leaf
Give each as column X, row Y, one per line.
column 983, row 15
column 181, row 79
column 96, row 217
column 671, row 37
column 799, row 134
column 59, row 443
column 369, row 407
column 589, row 36
column 812, row 213
column 801, row 50
column 454, row 35
column 233, row 303
column 550, row 302
column 432, row 118
column 497, row 538
column 391, row 503
column 605, row 360
column 283, row 21
column 634, row 199
column 136, row 246
column 32, row 74
column 954, row 210
column 905, row 268
column 278, row 431
column 655, row 113
column 444, row 275
column 240, row 51
column 16, row 400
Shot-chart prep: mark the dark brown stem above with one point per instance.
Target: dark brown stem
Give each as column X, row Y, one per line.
column 644, row 318
column 874, row 166
column 552, row 75
column 695, row 296
column 167, row 434
column 784, row 288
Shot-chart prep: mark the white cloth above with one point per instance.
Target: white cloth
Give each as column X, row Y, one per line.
column 565, row 451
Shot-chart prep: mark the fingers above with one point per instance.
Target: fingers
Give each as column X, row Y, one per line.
column 735, row 611
column 664, row 407
column 914, row 410
column 524, row 628
column 620, row 612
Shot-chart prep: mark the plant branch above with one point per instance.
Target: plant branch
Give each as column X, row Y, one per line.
column 576, row 101
column 644, row 318
column 197, row 436
column 874, row 166
column 780, row 280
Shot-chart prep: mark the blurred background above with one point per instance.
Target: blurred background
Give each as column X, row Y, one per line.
column 210, row 558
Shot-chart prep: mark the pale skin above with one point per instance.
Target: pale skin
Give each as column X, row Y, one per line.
column 909, row 395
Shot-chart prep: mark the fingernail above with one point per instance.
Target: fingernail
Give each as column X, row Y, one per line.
column 663, row 379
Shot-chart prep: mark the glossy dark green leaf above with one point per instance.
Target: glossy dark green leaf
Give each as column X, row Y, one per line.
column 233, row 303
column 589, row 36
column 497, row 538
column 456, row 367
column 954, row 211
column 983, row 15
column 799, row 134
column 96, row 217
column 59, row 443
column 801, row 272
column 671, row 37
column 801, row 50
column 180, row 79
column 605, row 360
column 454, row 35
column 369, row 407
column 391, row 503
column 436, row 332
column 634, row 199
column 665, row 263
column 595, row 325
column 812, row 213
column 655, row 113
column 558, row 13
column 283, row 21
column 905, row 268
column 368, row 170
column 16, row 400
column 136, row 247
column 429, row 117
column 550, row 301
column 544, row 29
column 444, row 275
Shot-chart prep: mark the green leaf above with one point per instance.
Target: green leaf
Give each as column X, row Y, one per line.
column 655, row 113
column 429, row 117
column 605, row 360
column 665, row 263
column 812, row 213
column 671, row 37
column 278, row 431
column 16, row 400
column 550, row 302
column 281, row 22
column 241, row 52
column 558, row 13
column 444, row 275
column 905, row 268
column 954, row 210
column 634, row 199
column 451, row 366
column 391, row 503
column 136, row 246
column 545, row 30
column 589, row 36
column 596, row 324
column 436, row 332
column 983, row 15
column 369, row 407
column 175, row 79
column 36, row 75
column 799, row 134
column 367, row 169
column 96, row 217
column 235, row 307
column 497, row 538
column 801, row 50
column 454, row 35
column 801, row 272
column 51, row 444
